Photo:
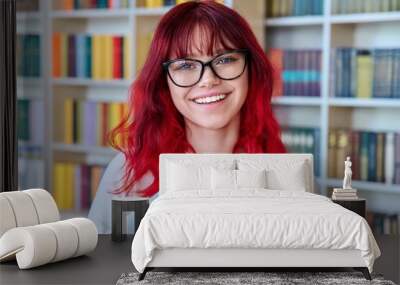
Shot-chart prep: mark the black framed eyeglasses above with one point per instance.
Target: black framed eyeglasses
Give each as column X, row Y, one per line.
column 186, row 72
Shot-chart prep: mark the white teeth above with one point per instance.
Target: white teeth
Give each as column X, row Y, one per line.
column 211, row 99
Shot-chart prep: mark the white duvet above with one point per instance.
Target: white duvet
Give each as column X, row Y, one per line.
column 251, row 218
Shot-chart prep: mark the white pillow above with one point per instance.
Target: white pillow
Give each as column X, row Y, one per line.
column 281, row 174
column 251, row 178
column 188, row 174
column 223, row 179
column 236, row 179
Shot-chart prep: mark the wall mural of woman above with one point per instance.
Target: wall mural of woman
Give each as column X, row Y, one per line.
column 205, row 87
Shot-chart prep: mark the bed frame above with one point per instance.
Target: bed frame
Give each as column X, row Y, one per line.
column 247, row 259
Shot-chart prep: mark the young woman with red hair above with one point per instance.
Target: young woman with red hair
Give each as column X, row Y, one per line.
column 205, row 87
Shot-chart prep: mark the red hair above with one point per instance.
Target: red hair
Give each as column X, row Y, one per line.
column 155, row 126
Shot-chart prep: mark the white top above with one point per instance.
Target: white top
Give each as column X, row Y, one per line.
column 100, row 211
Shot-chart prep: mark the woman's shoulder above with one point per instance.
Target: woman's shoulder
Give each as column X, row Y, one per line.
column 117, row 163
column 115, row 172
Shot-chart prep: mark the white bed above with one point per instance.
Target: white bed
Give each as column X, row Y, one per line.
column 250, row 226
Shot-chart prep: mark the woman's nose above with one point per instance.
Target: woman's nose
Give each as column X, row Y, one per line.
column 209, row 78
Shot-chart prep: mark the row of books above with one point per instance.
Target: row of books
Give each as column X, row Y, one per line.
column 90, row 4
column 28, row 55
column 303, row 140
column 31, row 170
column 298, row 72
column 30, row 121
column 366, row 73
column 364, row 6
column 284, row 8
column 75, row 185
column 375, row 156
column 383, row 223
column 112, row 4
column 161, row 3
column 91, row 56
column 89, row 122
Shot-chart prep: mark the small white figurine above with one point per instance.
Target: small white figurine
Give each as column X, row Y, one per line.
column 347, row 174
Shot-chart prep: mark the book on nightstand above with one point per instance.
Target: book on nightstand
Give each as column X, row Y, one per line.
column 344, row 194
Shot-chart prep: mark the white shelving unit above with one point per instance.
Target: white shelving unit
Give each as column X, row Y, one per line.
column 89, row 82
column 326, row 32
column 85, row 149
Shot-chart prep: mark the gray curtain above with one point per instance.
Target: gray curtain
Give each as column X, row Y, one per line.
column 8, row 100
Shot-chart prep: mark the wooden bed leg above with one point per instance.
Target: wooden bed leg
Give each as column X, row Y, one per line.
column 364, row 271
column 143, row 274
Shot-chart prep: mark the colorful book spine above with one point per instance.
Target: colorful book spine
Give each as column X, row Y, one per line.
column 70, row 5
column 276, row 58
column 303, row 140
column 287, row 8
column 75, row 185
column 28, row 55
column 30, row 121
column 89, row 123
column 300, row 72
column 384, row 223
column 397, row 159
column 366, row 73
column 364, row 6
column 375, row 156
column 99, row 57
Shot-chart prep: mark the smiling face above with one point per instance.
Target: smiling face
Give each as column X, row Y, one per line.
column 211, row 103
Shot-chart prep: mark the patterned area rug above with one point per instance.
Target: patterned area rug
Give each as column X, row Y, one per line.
column 242, row 278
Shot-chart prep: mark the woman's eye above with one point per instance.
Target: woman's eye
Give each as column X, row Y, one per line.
column 227, row 59
column 184, row 66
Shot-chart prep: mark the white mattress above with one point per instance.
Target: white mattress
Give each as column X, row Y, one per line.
column 252, row 218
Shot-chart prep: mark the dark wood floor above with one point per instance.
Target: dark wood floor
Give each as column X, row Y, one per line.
column 110, row 260
column 389, row 262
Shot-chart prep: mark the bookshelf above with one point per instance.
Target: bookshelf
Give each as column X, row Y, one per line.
column 328, row 31
column 325, row 112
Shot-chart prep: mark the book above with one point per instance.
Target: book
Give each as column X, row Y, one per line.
column 276, row 58
column 364, row 156
column 68, row 120
column 344, row 191
column 364, row 74
column 372, row 150
column 332, row 138
column 380, row 157
column 127, row 57
column 335, row 197
column 382, row 73
column 342, row 151
column 397, row 159
column 96, row 57
column 355, row 154
column 56, row 56
column 63, row 55
column 389, row 157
